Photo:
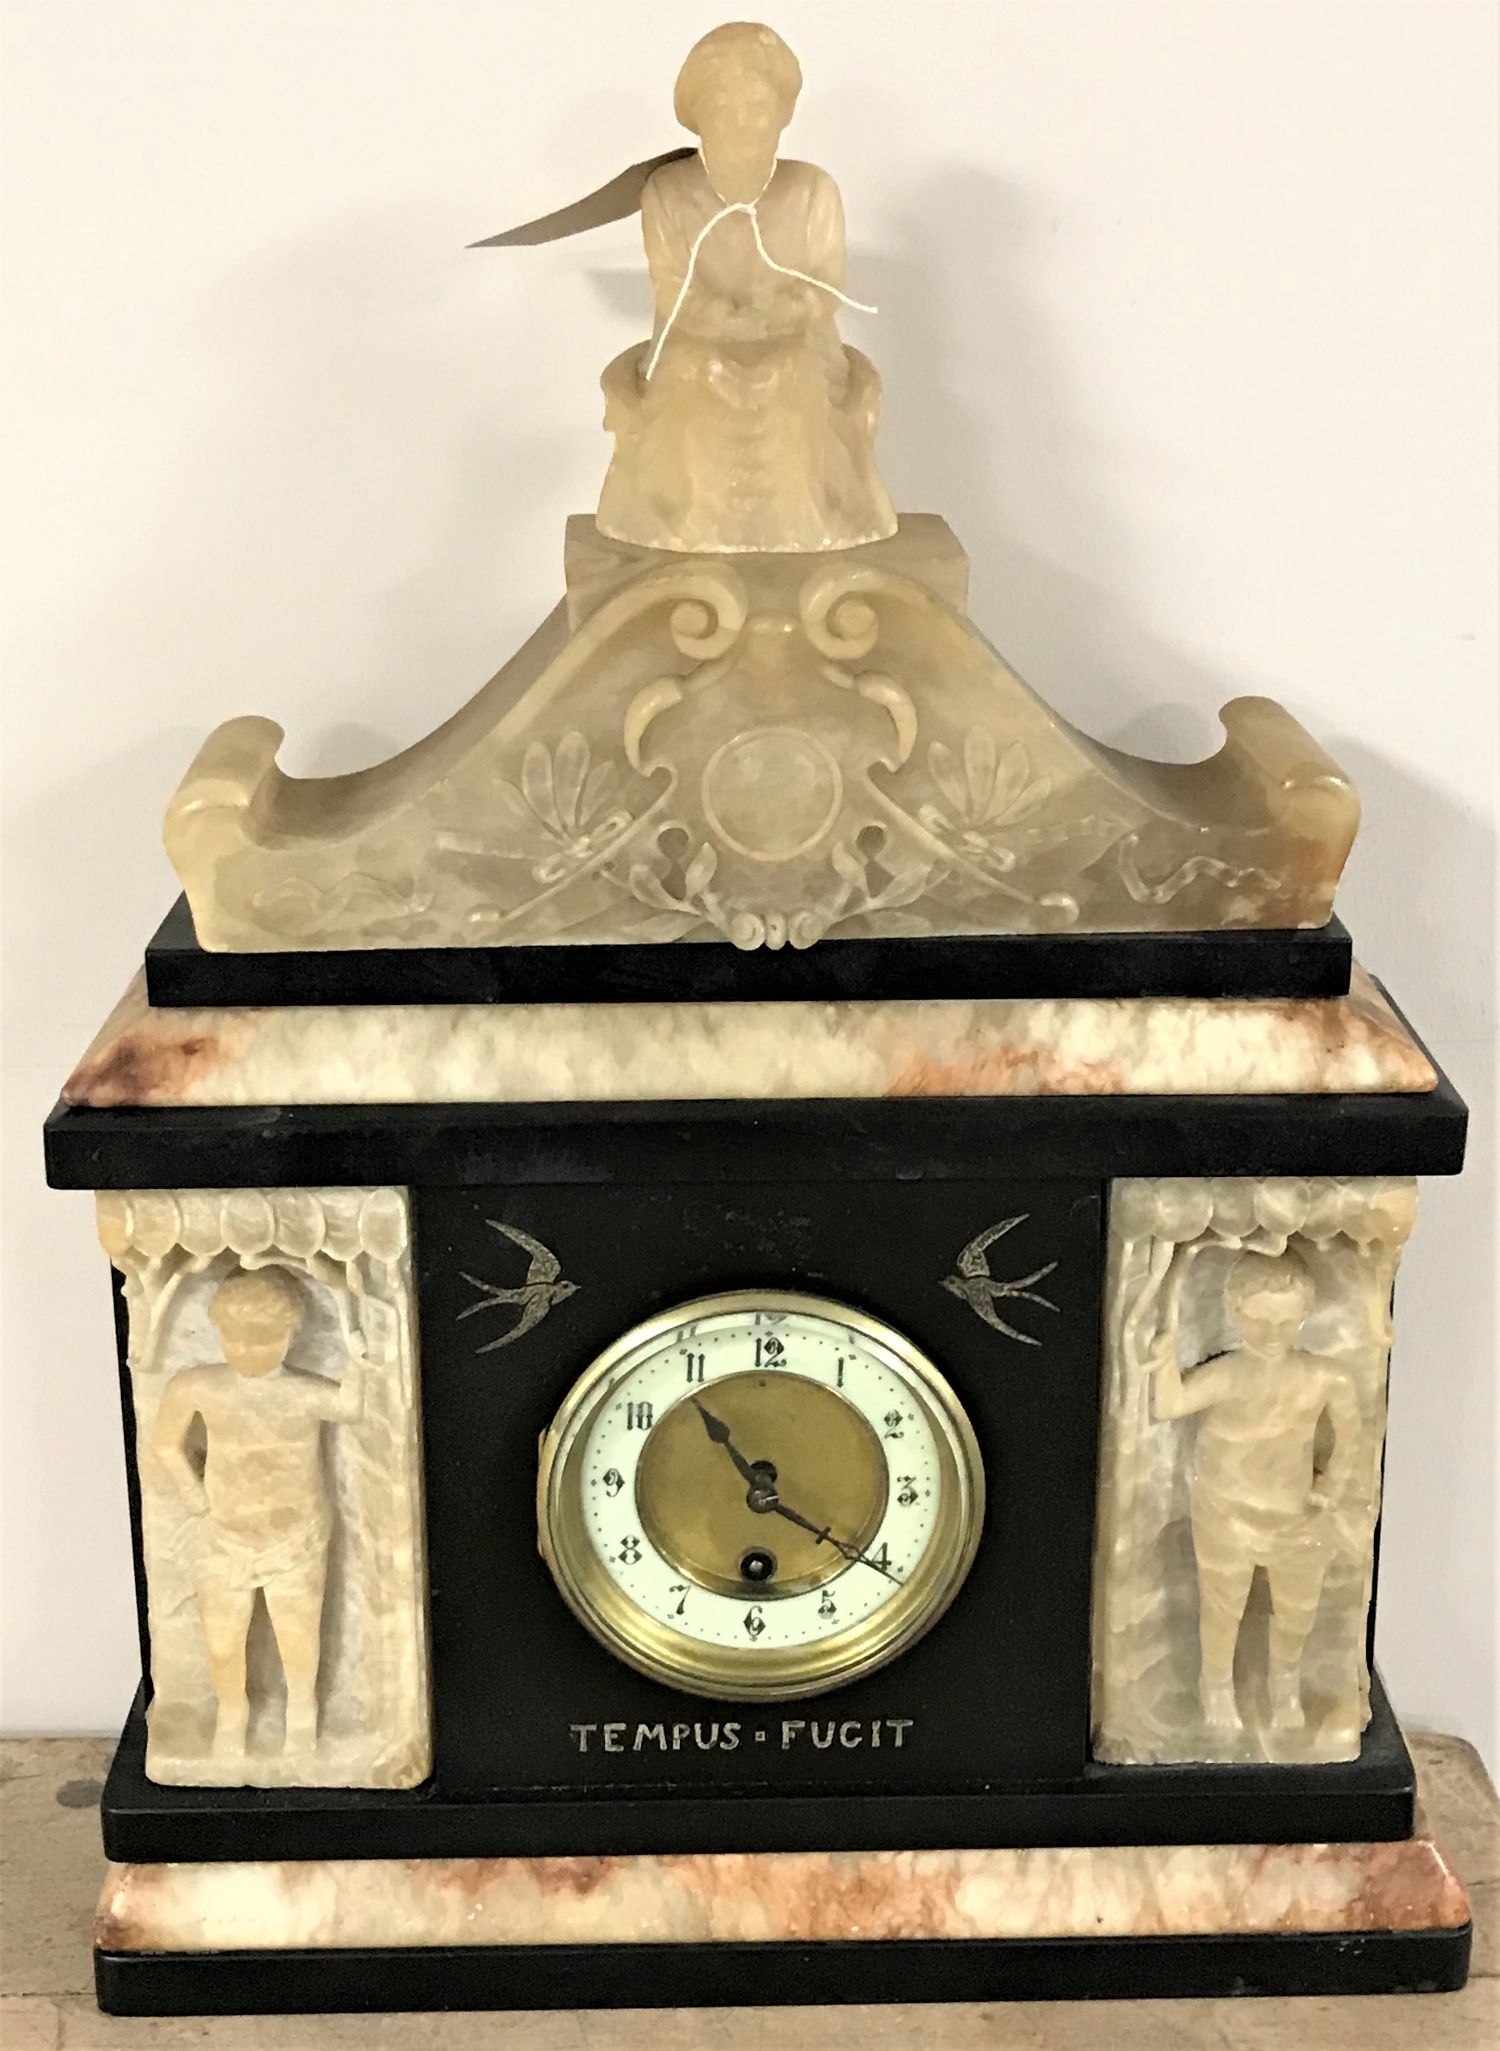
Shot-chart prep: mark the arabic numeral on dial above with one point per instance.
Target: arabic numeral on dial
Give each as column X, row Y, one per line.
column 696, row 1363
column 755, row 1623
column 894, row 1419
column 613, row 1480
column 881, row 1559
column 838, row 1378
column 638, row 1416
column 681, row 1589
column 827, row 1607
column 906, row 1485
column 770, row 1352
column 629, row 1554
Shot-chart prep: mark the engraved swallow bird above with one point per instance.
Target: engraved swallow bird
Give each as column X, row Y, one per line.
column 980, row 1289
column 541, row 1292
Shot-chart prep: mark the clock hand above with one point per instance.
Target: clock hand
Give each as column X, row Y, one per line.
column 718, row 1431
column 822, row 1532
column 762, row 1494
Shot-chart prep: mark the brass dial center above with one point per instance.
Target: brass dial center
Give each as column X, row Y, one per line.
column 818, row 1455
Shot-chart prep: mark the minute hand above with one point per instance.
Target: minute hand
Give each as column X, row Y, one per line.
column 821, row 1532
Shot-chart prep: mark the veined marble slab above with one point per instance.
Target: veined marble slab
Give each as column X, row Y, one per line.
column 763, row 1897
column 560, row 1053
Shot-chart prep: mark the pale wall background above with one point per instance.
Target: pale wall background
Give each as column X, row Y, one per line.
column 1187, row 323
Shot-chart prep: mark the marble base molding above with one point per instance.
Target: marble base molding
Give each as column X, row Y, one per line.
column 719, row 1930
column 660, row 1052
column 783, row 1897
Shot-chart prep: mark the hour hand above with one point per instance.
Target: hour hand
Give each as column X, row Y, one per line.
column 718, row 1431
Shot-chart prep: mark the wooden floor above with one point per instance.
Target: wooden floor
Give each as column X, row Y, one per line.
column 50, row 1868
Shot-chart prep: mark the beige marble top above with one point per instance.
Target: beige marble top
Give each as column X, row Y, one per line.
column 558, row 1053
column 49, row 1846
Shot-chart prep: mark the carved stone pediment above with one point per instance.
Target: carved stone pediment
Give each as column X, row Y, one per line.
column 764, row 750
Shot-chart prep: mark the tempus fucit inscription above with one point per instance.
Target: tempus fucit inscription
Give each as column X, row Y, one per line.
column 850, row 1734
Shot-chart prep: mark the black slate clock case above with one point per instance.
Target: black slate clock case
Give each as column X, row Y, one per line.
column 647, row 1205
column 991, row 1693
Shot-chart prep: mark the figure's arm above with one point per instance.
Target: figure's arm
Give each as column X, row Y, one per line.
column 814, row 246
column 1342, row 1406
column 1174, row 1395
column 666, row 248
column 179, row 1406
column 827, row 251
column 1171, row 1395
column 343, row 1401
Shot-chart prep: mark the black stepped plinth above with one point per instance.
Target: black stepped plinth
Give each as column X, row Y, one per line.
column 1368, row 1799
column 1284, row 963
column 575, row 1976
column 306, row 1145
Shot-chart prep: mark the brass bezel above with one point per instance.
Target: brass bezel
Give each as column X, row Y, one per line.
column 753, row 1673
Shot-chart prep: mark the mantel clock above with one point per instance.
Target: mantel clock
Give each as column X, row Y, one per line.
column 754, row 1283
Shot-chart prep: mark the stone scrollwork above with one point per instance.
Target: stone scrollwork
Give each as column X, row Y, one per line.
column 273, row 1362
column 1248, row 1335
column 751, row 750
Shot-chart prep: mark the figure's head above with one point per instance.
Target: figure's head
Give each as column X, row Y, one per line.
column 1270, row 1296
column 256, row 1314
column 736, row 93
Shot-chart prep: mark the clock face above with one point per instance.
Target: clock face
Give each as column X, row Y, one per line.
column 760, row 1496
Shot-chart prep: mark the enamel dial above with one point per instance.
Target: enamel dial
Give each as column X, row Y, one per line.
column 759, row 1496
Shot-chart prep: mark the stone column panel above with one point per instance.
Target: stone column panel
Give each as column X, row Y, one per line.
column 1247, row 1341
column 273, row 1361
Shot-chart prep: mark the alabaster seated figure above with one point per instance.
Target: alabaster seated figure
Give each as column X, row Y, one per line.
column 761, row 715
column 745, row 423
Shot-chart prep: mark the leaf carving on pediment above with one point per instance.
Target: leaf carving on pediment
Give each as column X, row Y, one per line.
column 556, row 819
column 986, row 791
column 296, row 905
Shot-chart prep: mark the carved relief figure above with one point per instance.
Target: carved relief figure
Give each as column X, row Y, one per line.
column 1258, row 1497
column 273, row 1359
column 745, row 423
column 264, row 1510
column 1247, row 1348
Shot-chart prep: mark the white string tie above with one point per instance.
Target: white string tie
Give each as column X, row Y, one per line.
column 742, row 206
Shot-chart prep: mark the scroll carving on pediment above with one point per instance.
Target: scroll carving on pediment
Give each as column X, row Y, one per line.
column 1247, row 1341
column 272, row 1352
column 757, row 751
